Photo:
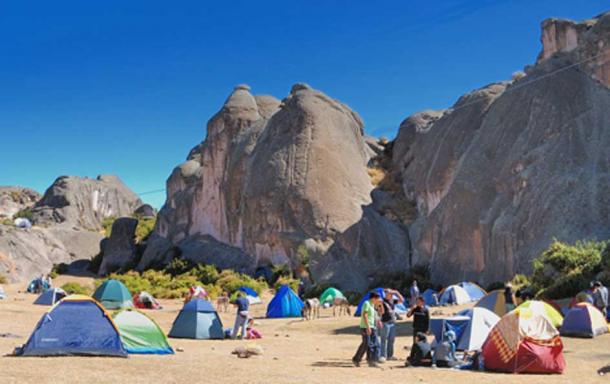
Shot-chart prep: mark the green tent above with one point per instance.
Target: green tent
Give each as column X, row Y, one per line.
column 112, row 294
column 140, row 334
column 330, row 294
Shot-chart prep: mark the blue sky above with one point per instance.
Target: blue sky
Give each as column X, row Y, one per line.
column 126, row 87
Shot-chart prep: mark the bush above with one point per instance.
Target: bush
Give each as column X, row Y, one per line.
column 231, row 281
column 76, row 289
column 144, row 228
column 6, row 221
column 563, row 270
column 25, row 213
column 107, row 225
column 290, row 281
column 3, row 279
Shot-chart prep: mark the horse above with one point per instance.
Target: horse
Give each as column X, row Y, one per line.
column 311, row 309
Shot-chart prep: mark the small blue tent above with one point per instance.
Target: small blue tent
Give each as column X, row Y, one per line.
column 473, row 290
column 77, row 325
column 50, row 296
column 197, row 320
column 430, row 297
column 285, row 303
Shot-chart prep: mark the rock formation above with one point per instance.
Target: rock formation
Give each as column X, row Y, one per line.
column 67, row 223
column 276, row 183
column 15, row 199
column 119, row 250
column 513, row 165
column 85, row 202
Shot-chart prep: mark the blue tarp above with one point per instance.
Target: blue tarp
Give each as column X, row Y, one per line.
column 457, row 324
column 197, row 320
column 285, row 303
column 75, row 328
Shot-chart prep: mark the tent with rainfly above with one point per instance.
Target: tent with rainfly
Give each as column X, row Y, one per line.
column 140, row 334
column 584, row 320
column 494, row 301
column 329, row 295
column 251, row 295
column 544, row 309
column 473, row 290
column 524, row 341
column 50, row 296
column 197, row 320
column 477, row 329
column 77, row 325
column 454, row 294
column 113, row 294
column 285, row 303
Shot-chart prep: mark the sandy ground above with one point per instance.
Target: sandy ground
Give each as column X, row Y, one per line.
column 295, row 351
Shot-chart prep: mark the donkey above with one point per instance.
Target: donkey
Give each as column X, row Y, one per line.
column 343, row 305
column 311, row 309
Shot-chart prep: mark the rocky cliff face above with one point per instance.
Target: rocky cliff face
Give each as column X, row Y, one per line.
column 85, row 202
column 15, row 199
column 67, row 222
column 276, row 183
column 512, row 165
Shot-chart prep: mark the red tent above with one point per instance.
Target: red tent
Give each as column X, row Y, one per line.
column 524, row 342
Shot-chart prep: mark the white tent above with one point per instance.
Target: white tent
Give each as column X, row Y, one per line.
column 454, row 294
column 22, row 222
column 482, row 320
column 2, row 293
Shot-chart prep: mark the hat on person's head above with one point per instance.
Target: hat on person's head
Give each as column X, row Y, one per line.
column 450, row 335
column 374, row 295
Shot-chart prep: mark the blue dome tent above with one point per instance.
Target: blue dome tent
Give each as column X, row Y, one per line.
column 285, row 303
column 78, row 325
column 197, row 320
column 50, row 296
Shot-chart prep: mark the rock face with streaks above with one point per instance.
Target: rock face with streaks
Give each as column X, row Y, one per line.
column 84, row 202
column 511, row 166
column 277, row 183
column 67, row 223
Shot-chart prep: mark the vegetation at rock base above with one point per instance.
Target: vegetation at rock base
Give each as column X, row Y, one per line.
column 76, row 289
column 3, row 279
column 25, row 213
column 107, row 225
column 563, row 270
column 175, row 281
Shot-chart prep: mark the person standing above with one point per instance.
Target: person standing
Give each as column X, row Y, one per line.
column 368, row 332
column 509, row 297
column 388, row 321
column 421, row 317
column 414, row 291
column 600, row 297
column 241, row 318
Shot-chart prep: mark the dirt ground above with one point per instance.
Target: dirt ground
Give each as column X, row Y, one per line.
column 295, row 351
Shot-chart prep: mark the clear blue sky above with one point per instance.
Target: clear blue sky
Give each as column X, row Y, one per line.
column 126, row 87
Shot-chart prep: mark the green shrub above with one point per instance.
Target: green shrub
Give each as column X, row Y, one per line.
column 107, row 225
column 290, row 281
column 563, row 270
column 76, row 289
column 178, row 266
column 25, row 213
column 144, row 228
column 231, row 281
column 206, row 273
column 6, row 221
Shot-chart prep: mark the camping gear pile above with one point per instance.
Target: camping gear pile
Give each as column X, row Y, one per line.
column 145, row 300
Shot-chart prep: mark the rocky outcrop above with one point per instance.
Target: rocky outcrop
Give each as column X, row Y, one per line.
column 15, row 199
column 587, row 42
column 276, row 183
column 26, row 253
column 67, row 224
column 145, row 211
column 84, row 202
column 513, row 165
column 119, row 250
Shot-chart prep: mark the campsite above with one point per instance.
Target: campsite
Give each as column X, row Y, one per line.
column 295, row 351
